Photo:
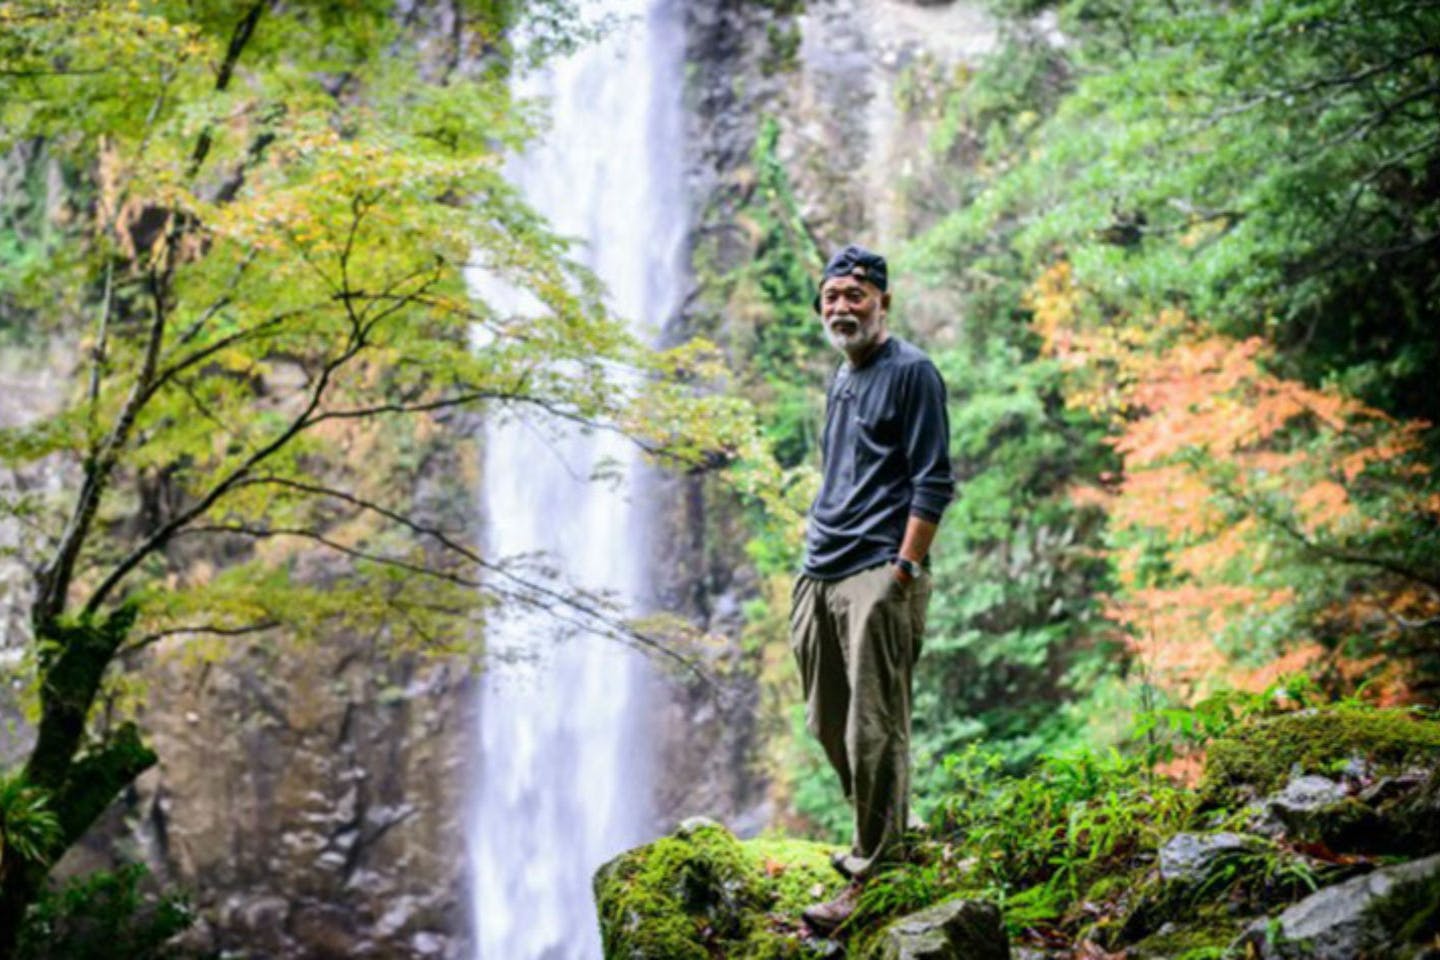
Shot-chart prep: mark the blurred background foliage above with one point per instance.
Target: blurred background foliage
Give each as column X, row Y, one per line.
column 1178, row 263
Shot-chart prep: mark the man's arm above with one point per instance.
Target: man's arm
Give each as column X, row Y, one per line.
column 919, row 533
column 927, row 452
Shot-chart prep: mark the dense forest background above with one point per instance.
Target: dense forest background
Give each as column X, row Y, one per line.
column 1178, row 264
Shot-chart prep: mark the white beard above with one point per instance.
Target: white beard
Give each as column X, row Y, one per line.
column 859, row 341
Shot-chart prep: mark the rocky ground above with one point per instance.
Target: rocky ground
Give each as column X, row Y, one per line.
column 1311, row 834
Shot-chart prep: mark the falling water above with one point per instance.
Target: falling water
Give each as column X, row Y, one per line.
column 563, row 783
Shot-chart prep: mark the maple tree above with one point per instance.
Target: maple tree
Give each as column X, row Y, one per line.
column 274, row 215
column 1257, row 525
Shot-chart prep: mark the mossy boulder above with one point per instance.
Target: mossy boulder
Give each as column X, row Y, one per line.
column 1204, row 934
column 1264, row 753
column 701, row 893
column 959, row 929
column 1391, row 912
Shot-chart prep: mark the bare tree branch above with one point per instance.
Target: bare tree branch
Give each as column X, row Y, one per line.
column 55, row 580
column 576, row 601
column 241, row 36
column 199, row 628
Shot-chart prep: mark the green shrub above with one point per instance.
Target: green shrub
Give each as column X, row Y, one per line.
column 104, row 916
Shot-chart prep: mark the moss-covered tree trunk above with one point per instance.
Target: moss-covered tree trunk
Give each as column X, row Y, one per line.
column 80, row 775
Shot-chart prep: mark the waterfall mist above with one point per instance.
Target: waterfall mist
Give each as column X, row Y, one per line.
column 563, row 780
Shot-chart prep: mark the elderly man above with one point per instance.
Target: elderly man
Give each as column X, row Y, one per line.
column 858, row 609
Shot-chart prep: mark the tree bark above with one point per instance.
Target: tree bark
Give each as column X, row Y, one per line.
column 79, row 779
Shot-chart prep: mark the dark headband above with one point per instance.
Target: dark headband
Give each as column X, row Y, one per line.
column 859, row 263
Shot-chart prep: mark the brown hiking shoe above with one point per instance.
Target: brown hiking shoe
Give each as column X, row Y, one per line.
column 825, row 917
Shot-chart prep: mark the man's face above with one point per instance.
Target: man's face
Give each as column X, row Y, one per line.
column 853, row 312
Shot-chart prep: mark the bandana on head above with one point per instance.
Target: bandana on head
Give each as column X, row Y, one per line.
column 859, row 263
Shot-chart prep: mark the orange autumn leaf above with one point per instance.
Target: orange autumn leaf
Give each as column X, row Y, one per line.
column 1224, row 462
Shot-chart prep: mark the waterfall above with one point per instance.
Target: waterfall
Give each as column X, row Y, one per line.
column 562, row 782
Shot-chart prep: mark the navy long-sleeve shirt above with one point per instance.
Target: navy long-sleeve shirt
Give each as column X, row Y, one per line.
column 886, row 456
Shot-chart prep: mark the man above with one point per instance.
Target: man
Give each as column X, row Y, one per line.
column 858, row 609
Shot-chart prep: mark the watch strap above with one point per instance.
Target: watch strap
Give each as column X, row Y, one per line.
column 910, row 567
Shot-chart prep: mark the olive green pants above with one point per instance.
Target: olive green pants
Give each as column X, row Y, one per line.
column 856, row 641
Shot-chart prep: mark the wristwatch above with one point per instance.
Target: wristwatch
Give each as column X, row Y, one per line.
column 910, row 568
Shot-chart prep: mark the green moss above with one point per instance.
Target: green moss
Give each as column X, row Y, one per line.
column 1200, row 936
column 1262, row 754
column 1411, row 912
column 701, row 893
column 793, row 869
column 782, row 49
column 1070, row 848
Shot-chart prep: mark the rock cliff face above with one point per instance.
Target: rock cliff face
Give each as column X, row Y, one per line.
column 312, row 798
column 831, row 72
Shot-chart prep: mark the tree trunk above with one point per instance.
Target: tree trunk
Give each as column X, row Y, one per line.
column 80, row 779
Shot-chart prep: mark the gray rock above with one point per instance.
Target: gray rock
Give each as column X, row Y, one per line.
column 1336, row 923
column 426, row 944
column 1262, row 822
column 953, row 930
column 691, row 825
column 324, row 929
column 1318, row 809
column 1306, row 794
column 1359, row 768
column 1427, row 801
column 1189, row 857
column 1388, row 789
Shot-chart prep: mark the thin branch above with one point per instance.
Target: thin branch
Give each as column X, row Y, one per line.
column 1405, row 624
column 206, row 628
column 1353, row 79
column 56, row 578
column 659, row 452
column 1287, row 93
column 203, row 407
column 97, row 354
column 409, row 618
column 359, row 206
column 262, row 329
column 1326, row 551
column 241, row 36
column 1422, row 94
column 306, row 533
column 11, row 508
column 347, row 295
column 225, row 300
column 368, row 323
column 569, row 601
column 162, row 536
